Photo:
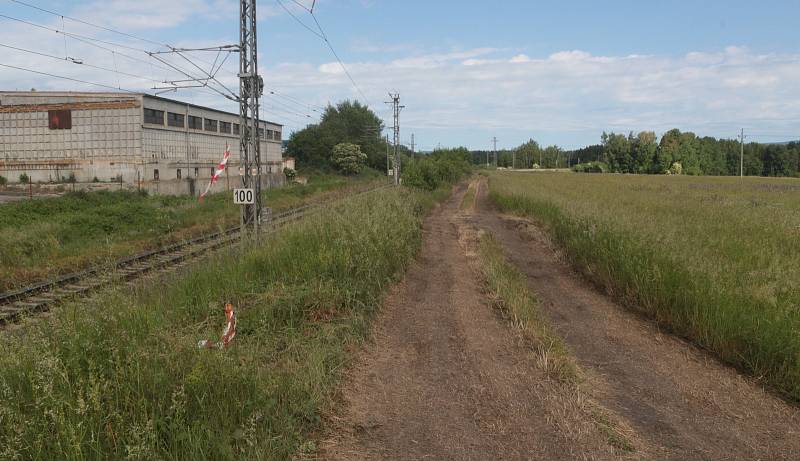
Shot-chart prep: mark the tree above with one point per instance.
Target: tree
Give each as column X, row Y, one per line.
column 643, row 152
column 528, row 154
column 349, row 122
column 348, row 158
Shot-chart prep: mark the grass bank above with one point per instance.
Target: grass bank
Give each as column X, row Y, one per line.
column 45, row 237
column 120, row 375
column 714, row 259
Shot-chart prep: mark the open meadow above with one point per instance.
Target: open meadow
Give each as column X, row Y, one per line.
column 716, row 260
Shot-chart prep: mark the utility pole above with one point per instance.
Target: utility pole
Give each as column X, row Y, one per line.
column 388, row 165
column 413, row 145
column 251, row 87
column 494, row 143
column 741, row 156
column 514, row 159
column 396, row 108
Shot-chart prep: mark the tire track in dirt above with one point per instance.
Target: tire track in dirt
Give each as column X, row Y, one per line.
column 683, row 404
column 446, row 378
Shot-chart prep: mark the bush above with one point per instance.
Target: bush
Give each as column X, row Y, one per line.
column 675, row 169
column 441, row 167
column 3, row 181
column 348, row 158
column 290, row 174
column 24, row 178
column 591, row 167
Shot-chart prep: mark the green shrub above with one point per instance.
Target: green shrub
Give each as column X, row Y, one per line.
column 431, row 172
column 591, row 167
column 3, row 181
column 24, row 178
column 348, row 158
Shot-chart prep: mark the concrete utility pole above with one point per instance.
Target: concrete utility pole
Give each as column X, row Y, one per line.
column 388, row 163
column 251, row 87
column 412, row 145
column 396, row 108
column 741, row 156
column 494, row 143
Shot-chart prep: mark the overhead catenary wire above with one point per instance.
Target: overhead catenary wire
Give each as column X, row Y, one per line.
column 76, row 61
column 320, row 33
column 91, row 42
column 66, row 78
column 162, row 64
column 86, row 39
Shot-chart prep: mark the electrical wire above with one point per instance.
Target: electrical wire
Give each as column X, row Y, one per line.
column 75, row 61
column 324, row 37
column 168, row 66
column 66, row 78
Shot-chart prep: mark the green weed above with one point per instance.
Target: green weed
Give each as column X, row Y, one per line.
column 40, row 238
column 120, row 375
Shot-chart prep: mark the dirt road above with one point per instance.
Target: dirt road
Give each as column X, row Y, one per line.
column 447, row 378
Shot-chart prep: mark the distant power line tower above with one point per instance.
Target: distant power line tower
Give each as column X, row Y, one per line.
column 413, row 145
column 251, row 87
column 741, row 156
column 494, row 143
column 396, row 108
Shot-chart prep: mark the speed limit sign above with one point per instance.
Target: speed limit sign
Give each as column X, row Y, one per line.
column 244, row 197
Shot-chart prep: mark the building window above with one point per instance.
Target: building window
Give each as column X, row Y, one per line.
column 154, row 117
column 277, row 135
column 236, row 129
column 225, row 127
column 179, row 173
column 176, row 120
column 60, row 119
column 155, row 175
column 261, row 133
column 196, row 172
column 210, row 125
column 195, row 123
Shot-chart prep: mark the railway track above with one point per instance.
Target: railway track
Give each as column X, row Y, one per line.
column 42, row 295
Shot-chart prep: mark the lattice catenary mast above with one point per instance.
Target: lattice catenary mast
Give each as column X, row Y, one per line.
column 396, row 108
column 251, row 87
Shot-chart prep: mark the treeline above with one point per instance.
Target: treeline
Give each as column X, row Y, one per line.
column 526, row 156
column 643, row 153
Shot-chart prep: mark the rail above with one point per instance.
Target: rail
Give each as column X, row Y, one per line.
column 41, row 295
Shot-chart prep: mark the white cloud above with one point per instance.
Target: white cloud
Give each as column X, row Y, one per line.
column 459, row 91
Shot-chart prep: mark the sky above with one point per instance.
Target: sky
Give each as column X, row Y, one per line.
column 559, row 72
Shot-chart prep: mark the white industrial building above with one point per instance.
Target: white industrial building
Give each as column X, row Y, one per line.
column 147, row 141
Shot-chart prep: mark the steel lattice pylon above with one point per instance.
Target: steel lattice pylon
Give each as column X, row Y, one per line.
column 251, row 86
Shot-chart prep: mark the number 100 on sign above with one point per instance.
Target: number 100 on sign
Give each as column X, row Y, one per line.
column 244, row 197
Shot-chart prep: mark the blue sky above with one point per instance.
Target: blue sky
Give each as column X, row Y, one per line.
column 560, row 72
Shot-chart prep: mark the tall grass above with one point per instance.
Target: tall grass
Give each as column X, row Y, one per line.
column 43, row 237
column 120, row 376
column 717, row 260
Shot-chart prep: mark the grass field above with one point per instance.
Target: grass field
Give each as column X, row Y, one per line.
column 45, row 237
column 120, row 375
column 717, row 260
